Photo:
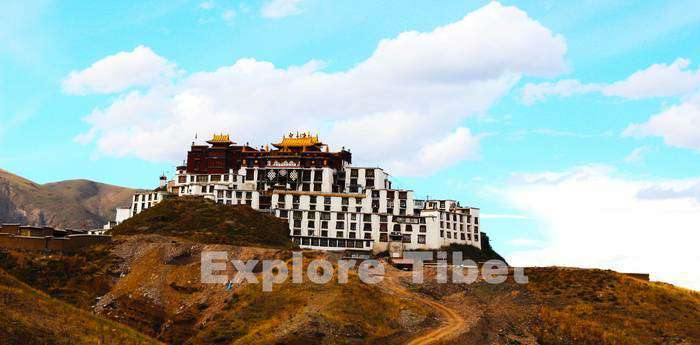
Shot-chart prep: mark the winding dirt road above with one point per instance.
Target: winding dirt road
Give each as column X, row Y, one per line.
column 452, row 322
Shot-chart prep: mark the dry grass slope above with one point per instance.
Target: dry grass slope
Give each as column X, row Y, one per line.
column 31, row 317
column 604, row 307
column 307, row 313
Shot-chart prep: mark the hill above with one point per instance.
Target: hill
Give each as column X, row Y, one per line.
column 571, row 306
column 72, row 204
column 31, row 317
column 201, row 220
column 148, row 279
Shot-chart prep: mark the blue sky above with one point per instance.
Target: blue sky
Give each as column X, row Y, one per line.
column 567, row 122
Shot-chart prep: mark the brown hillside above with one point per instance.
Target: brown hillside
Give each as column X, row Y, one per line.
column 572, row 306
column 73, row 204
column 31, row 317
column 201, row 220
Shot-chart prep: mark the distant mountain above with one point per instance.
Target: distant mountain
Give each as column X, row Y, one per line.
column 71, row 204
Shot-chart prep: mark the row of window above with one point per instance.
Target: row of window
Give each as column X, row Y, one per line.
column 461, row 236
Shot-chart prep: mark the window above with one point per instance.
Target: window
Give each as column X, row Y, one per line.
column 311, row 224
column 339, row 225
column 353, row 226
column 324, row 233
column 201, row 178
column 339, row 234
column 406, row 238
column 449, row 234
column 367, row 227
column 182, row 179
column 397, row 228
column 368, row 235
column 297, row 223
column 352, row 235
column 383, row 219
column 462, row 236
column 409, row 228
column 442, row 233
column 325, row 216
column 284, row 213
column 324, row 225
column 367, row 218
column 423, row 228
column 383, row 238
column 339, row 216
column 421, row 239
column 215, row 178
column 383, row 227
column 353, row 216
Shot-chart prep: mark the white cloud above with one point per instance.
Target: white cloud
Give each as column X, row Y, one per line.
column 593, row 218
column 678, row 125
column 403, row 107
column 533, row 93
column 637, row 155
column 280, row 8
column 115, row 73
column 658, row 80
column 228, row 15
column 207, row 5
column 675, row 190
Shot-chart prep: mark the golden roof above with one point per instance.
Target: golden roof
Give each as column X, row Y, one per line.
column 220, row 138
column 298, row 141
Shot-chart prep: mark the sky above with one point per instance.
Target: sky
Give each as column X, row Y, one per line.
column 573, row 125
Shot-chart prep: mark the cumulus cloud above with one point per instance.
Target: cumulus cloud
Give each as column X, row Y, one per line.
column 592, row 218
column 678, row 125
column 403, row 107
column 280, row 8
column 658, row 80
column 118, row 72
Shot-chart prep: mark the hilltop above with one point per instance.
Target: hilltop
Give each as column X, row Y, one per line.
column 201, row 220
column 71, row 204
column 31, row 317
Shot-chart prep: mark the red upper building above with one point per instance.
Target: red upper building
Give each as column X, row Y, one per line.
column 300, row 151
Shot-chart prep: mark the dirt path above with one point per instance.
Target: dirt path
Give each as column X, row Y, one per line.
column 452, row 322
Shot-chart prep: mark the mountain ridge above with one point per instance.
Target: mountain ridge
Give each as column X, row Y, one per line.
column 76, row 203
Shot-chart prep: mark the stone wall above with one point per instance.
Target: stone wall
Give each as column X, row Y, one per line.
column 70, row 243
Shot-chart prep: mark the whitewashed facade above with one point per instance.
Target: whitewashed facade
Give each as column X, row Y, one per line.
column 328, row 208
